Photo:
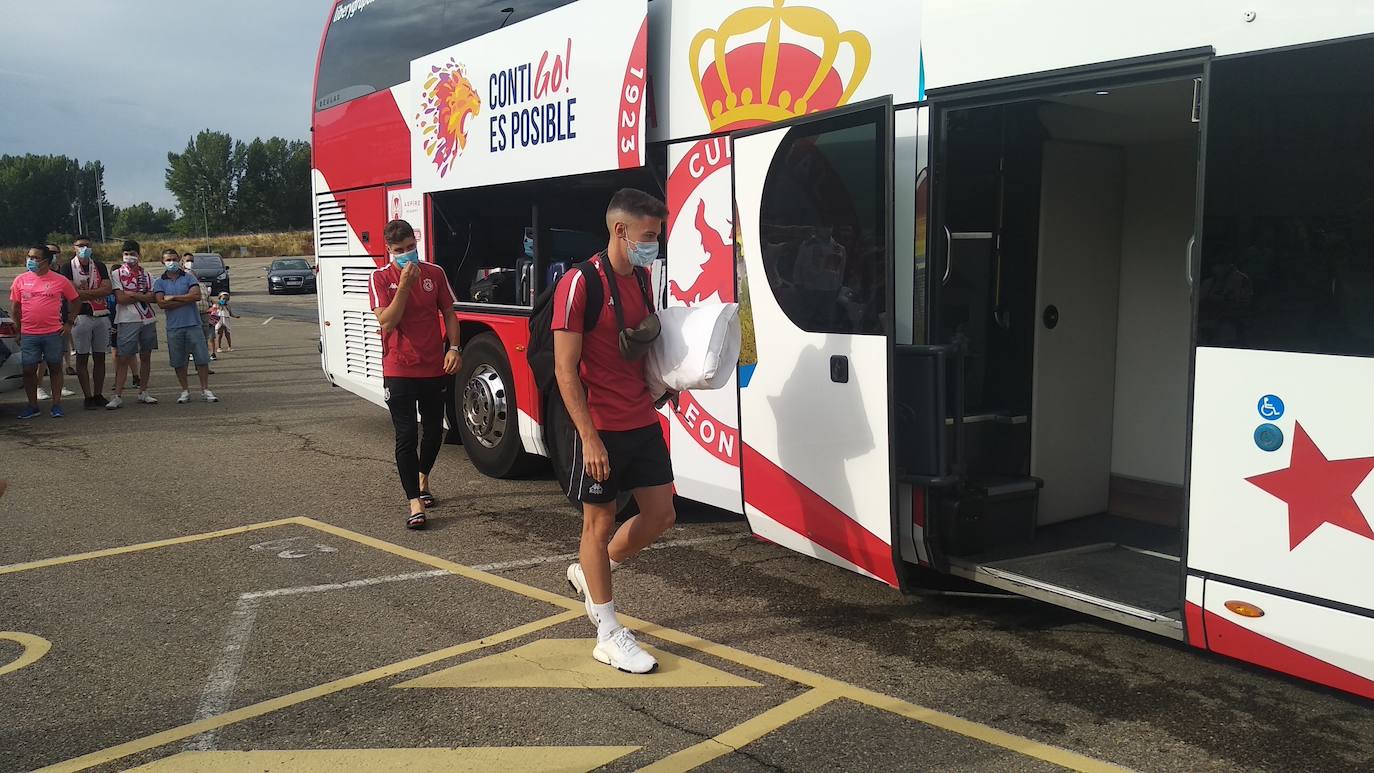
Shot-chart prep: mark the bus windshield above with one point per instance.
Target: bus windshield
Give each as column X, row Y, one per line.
column 370, row 43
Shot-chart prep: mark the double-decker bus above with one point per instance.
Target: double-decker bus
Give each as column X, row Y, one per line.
column 1072, row 303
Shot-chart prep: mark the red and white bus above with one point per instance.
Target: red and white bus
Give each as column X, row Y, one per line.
column 1073, row 304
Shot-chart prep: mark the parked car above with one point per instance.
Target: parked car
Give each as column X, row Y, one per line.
column 11, row 370
column 290, row 275
column 210, row 270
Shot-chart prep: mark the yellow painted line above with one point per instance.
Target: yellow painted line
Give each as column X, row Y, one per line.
column 830, row 687
column 300, row 696
column 35, row 647
column 493, row 580
column 568, row 664
column 162, row 543
column 473, row 759
column 1052, row 754
column 744, row 733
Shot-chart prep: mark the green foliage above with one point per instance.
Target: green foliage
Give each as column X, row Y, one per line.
column 45, row 194
column 143, row 220
column 231, row 246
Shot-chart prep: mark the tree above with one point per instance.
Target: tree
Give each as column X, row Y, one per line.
column 45, row 194
column 204, row 179
column 142, row 219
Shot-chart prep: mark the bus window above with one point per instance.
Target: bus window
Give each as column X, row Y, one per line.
column 821, row 227
column 369, row 43
column 1288, row 235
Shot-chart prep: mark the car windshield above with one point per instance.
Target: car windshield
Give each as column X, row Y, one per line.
column 208, row 261
column 290, row 265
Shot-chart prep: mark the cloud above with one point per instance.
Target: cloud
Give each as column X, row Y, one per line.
column 155, row 73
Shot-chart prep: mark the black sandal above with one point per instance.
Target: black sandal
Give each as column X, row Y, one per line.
column 416, row 521
column 426, row 499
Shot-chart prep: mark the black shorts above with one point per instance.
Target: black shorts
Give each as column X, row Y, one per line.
column 639, row 459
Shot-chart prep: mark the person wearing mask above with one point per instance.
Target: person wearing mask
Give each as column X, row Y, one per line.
column 618, row 444
column 178, row 294
column 91, row 328
column 222, row 323
column 136, row 324
column 36, row 298
column 55, row 260
column 409, row 298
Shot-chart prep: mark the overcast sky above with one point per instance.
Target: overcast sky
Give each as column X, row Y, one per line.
column 126, row 81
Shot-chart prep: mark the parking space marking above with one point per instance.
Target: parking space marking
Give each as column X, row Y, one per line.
column 34, row 648
column 472, row 759
column 521, row 563
column 270, row 705
column 563, row 664
column 826, row 688
column 224, row 676
column 744, row 733
column 46, row 562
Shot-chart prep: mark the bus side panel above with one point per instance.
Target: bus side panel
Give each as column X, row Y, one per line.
column 514, row 333
column 1036, row 36
column 363, row 142
column 1308, row 641
column 704, row 430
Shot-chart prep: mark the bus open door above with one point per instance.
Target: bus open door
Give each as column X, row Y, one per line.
column 813, row 198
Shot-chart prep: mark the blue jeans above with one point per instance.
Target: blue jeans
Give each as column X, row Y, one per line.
column 37, row 349
column 186, row 342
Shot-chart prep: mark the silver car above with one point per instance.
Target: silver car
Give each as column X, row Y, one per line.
column 11, row 369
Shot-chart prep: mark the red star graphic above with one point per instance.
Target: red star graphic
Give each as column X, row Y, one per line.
column 1318, row 490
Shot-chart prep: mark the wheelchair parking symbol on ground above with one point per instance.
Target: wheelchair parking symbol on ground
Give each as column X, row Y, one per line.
column 1270, row 408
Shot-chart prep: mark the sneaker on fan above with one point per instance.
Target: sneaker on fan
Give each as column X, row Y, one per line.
column 67, row 392
column 115, row 402
column 579, row 586
column 43, row 394
column 185, row 396
column 209, row 396
column 622, row 651
column 144, row 397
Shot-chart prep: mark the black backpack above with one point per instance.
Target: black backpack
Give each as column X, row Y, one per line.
column 539, row 353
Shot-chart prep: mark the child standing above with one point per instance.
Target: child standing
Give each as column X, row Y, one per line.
column 223, row 327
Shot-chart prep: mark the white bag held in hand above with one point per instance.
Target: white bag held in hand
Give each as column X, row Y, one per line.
column 697, row 348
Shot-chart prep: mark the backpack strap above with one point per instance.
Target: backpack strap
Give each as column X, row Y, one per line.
column 596, row 297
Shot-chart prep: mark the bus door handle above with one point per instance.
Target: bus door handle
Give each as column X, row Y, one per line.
column 1188, row 260
column 949, row 255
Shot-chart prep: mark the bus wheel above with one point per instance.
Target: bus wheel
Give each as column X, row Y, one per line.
column 488, row 421
column 558, row 433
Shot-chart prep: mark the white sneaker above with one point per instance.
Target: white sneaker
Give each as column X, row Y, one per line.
column 115, row 402
column 185, row 396
column 579, row 585
column 43, row 394
column 67, row 392
column 147, row 399
column 209, row 396
column 623, row 652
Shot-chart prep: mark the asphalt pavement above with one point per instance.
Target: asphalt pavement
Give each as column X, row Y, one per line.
column 230, row 587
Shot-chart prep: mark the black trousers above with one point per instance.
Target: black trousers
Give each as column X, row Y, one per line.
column 404, row 398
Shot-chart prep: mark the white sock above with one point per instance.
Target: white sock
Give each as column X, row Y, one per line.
column 614, row 564
column 606, row 622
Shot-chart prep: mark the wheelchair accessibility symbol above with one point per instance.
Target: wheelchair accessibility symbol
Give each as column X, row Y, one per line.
column 1270, row 408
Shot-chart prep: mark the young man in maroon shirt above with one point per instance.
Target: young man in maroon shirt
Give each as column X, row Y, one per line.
column 618, row 445
column 410, row 298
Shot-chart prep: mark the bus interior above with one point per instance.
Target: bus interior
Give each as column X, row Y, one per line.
column 1070, row 222
column 502, row 244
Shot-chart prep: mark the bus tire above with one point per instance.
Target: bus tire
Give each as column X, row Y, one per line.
column 558, row 425
column 488, row 418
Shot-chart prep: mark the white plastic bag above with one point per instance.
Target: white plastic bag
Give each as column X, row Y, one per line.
column 697, row 348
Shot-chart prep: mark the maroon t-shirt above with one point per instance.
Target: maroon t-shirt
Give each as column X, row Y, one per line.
column 415, row 348
column 617, row 394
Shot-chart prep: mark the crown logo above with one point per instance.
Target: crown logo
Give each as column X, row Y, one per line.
column 762, row 81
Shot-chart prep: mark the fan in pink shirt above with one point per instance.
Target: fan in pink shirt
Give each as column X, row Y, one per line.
column 37, row 297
